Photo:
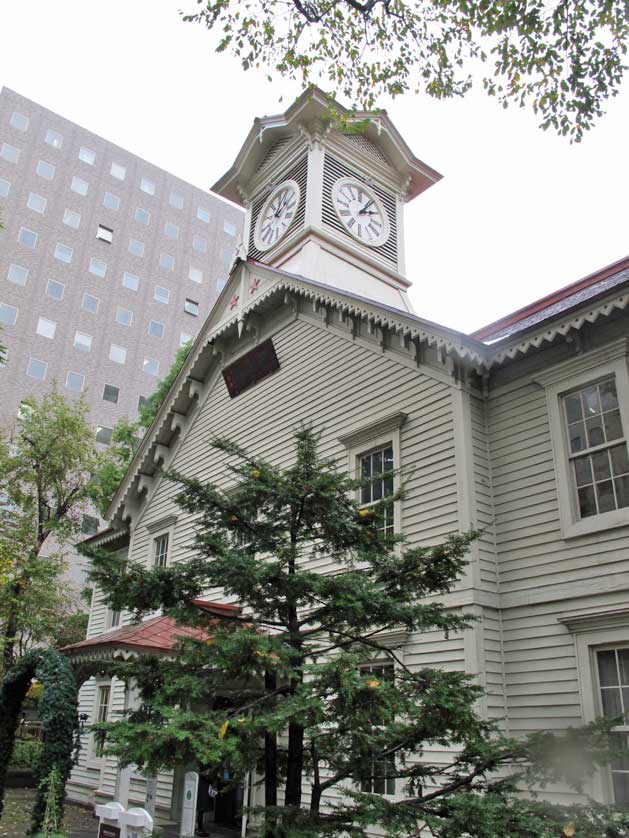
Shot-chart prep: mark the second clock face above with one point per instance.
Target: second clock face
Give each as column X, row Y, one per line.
column 360, row 211
column 277, row 214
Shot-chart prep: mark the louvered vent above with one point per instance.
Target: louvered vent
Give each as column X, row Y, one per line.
column 299, row 172
column 273, row 152
column 332, row 171
column 367, row 146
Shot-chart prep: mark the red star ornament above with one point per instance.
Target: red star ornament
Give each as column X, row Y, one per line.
column 234, row 301
column 254, row 285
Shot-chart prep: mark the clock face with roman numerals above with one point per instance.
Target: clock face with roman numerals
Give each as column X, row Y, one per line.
column 277, row 214
column 360, row 211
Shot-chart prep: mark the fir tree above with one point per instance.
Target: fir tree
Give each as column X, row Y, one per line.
column 304, row 685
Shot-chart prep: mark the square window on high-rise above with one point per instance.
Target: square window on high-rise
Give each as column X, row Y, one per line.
column 161, row 294
column 53, row 138
column 105, row 234
column 156, row 329
column 97, row 267
column 79, row 186
column 151, row 366
column 171, row 230
column 229, row 228
column 111, row 393
column 27, row 237
column 203, row 214
column 124, row 316
column 90, row 303
column 63, row 253
column 83, row 341
column 89, row 525
column 36, row 369
column 167, row 262
column 5, row 187
column 131, row 282
column 55, row 289
column 118, row 171
column 87, row 155
column 184, row 339
column 142, row 216
column 17, row 274
column 111, row 201
column 191, row 307
column 136, row 248
column 45, row 170
column 195, row 274
column 142, row 402
column 19, row 121
column 36, row 203
column 147, row 186
column 46, row 328
column 72, row 219
column 9, row 153
column 176, row 200
column 8, row 314
column 118, row 354
column 75, row 382
column 199, row 244
column 103, row 435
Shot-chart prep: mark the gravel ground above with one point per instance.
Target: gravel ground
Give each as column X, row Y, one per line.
column 16, row 818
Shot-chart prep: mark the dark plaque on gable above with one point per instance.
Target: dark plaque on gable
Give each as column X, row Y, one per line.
column 251, row 368
column 107, row 831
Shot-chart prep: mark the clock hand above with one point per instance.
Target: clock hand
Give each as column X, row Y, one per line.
column 281, row 206
column 364, row 209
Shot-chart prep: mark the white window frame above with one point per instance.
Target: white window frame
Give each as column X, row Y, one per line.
column 93, row 758
column 379, row 662
column 160, row 528
column 607, row 363
column 105, row 234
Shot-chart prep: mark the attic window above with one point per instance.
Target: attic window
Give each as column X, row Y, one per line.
column 251, row 368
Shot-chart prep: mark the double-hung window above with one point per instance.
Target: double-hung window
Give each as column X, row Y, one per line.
column 380, row 777
column 160, row 549
column 377, row 469
column 613, row 681
column 103, row 698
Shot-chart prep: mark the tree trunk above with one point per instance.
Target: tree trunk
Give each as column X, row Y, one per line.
column 270, row 765
column 9, row 635
column 295, row 764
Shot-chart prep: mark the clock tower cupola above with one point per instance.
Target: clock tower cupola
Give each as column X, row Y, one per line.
column 324, row 191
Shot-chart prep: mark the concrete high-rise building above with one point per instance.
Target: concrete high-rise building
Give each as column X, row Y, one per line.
column 107, row 264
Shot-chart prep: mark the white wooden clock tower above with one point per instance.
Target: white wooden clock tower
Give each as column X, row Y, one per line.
column 325, row 197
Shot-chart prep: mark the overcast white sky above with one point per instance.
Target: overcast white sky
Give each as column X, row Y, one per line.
column 518, row 214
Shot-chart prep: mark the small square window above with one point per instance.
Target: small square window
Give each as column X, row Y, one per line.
column 53, row 138
column 111, row 393
column 17, row 274
column 46, row 328
column 142, row 216
column 87, row 155
column 136, row 248
column 166, row 261
column 105, row 234
column 55, row 289
column 199, row 244
column 184, row 339
column 147, row 186
column 79, row 186
column 151, row 366
column 111, row 201
column 161, row 294
column 63, row 253
column 195, row 274
column 19, row 121
column 90, row 303
column 89, row 525
column 176, row 200
column 45, row 170
column 36, row 203
column 72, row 219
column 124, row 316
column 27, row 237
column 8, row 314
column 171, row 230
column 97, row 267
column 131, row 282
column 118, row 354
column 83, row 341
column 36, row 369
column 9, row 153
column 118, row 171
column 156, row 329
column 5, row 188
column 103, row 435
column 203, row 214
column 191, row 307
column 75, row 382
column 229, row 228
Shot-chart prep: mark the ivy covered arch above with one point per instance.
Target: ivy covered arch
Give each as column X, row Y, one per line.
column 57, row 711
